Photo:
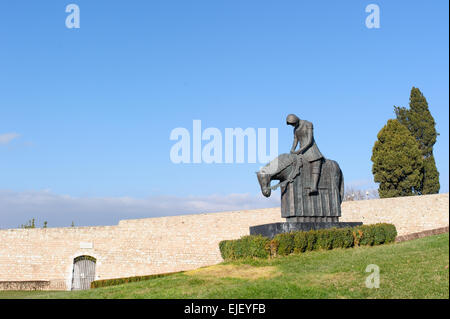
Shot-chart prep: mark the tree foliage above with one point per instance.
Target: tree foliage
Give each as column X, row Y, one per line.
column 29, row 224
column 397, row 161
column 32, row 224
column 430, row 182
column 422, row 126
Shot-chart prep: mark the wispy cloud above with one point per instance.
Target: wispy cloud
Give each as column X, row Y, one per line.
column 7, row 137
column 17, row 208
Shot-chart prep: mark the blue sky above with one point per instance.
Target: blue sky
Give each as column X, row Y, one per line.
column 92, row 108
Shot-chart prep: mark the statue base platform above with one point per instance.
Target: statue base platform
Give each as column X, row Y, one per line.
column 270, row 230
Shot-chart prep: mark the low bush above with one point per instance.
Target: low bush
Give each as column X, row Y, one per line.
column 367, row 235
column 120, row 281
column 343, row 238
column 301, row 241
column 375, row 234
column 247, row 246
column 324, row 239
column 226, row 249
column 312, row 239
column 390, row 232
column 284, row 244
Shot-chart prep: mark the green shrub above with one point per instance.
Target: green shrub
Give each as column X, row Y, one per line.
column 375, row 234
column 357, row 234
column 324, row 238
column 272, row 247
column 345, row 238
column 226, row 249
column 391, row 232
column 120, row 281
column 337, row 238
column 368, row 235
column 379, row 235
column 299, row 242
column 247, row 246
column 312, row 238
column 285, row 243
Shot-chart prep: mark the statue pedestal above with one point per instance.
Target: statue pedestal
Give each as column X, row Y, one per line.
column 270, row 230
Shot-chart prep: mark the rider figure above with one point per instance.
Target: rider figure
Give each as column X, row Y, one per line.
column 303, row 133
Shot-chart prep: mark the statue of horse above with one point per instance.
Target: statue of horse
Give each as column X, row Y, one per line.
column 286, row 167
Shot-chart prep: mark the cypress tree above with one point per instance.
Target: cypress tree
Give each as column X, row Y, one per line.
column 430, row 182
column 422, row 126
column 397, row 161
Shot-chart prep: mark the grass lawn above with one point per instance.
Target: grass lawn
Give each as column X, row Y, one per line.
column 413, row 269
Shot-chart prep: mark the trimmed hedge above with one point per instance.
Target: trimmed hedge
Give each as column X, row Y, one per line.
column 301, row 241
column 248, row 245
column 120, row 281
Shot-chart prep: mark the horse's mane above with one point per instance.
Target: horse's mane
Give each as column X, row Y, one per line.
column 278, row 164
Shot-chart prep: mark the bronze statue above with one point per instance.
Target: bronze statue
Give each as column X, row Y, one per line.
column 312, row 187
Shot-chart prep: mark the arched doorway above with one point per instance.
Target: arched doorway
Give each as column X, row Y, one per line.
column 83, row 272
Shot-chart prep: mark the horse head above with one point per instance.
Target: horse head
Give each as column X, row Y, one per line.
column 264, row 182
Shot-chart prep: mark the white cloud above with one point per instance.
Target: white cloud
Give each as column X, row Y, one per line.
column 8, row 137
column 17, row 208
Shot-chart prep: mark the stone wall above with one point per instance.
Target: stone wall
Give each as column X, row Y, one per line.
column 168, row 244
column 409, row 214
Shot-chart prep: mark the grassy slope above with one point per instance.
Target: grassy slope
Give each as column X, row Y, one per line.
column 414, row 269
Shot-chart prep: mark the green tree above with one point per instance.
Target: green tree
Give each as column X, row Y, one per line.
column 430, row 183
column 422, row 126
column 29, row 224
column 397, row 161
column 32, row 224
